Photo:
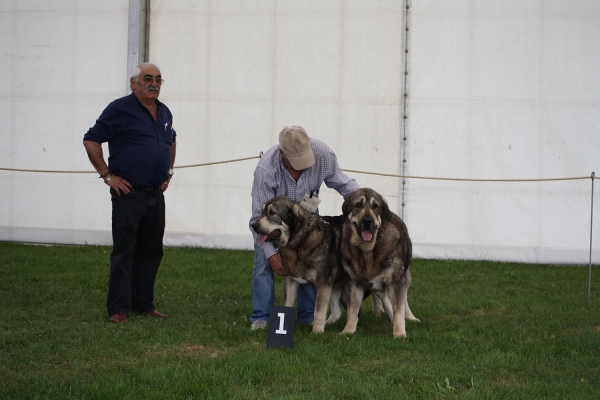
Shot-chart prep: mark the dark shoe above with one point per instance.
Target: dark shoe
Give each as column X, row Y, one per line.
column 118, row 318
column 155, row 313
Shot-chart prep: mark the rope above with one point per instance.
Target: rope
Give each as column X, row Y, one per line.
column 217, row 162
column 468, row 180
column 50, row 171
column 95, row 172
column 347, row 170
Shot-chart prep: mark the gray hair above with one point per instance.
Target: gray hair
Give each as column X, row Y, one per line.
column 137, row 70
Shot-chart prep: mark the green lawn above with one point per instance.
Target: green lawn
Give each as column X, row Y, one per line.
column 488, row 331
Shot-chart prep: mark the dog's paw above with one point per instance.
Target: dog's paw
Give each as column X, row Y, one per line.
column 347, row 332
column 318, row 329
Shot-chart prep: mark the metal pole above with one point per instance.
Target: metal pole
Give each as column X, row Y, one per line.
column 136, row 44
column 404, row 109
column 591, row 231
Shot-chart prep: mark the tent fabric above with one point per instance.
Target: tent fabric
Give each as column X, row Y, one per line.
column 462, row 89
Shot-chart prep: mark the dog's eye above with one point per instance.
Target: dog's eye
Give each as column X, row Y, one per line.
column 271, row 212
column 375, row 206
column 358, row 205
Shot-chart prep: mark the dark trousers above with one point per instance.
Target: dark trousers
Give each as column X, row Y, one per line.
column 138, row 227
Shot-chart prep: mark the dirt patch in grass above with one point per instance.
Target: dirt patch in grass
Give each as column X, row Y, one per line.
column 509, row 381
column 576, row 331
column 573, row 331
column 210, row 352
column 478, row 313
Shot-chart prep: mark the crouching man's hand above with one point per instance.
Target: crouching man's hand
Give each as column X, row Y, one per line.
column 277, row 264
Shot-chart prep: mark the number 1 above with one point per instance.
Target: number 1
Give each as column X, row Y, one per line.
column 281, row 331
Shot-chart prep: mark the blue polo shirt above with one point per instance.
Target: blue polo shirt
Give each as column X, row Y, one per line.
column 139, row 148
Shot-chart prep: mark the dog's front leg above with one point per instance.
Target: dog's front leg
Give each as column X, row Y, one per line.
column 323, row 295
column 356, row 297
column 291, row 291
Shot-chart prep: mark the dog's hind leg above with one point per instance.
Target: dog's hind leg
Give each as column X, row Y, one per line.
column 399, row 302
column 387, row 304
column 377, row 306
column 290, row 291
column 334, row 302
column 321, row 305
column 356, row 298
column 409, row 315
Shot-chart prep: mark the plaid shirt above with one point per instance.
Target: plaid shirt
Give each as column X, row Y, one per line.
column 271, row 179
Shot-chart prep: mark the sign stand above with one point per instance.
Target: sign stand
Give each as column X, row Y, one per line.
column 281, row 327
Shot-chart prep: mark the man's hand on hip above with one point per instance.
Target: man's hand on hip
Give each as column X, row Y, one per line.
column 165, row 185
column 118, row 184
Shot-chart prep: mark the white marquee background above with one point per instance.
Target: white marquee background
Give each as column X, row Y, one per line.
column 498, row 90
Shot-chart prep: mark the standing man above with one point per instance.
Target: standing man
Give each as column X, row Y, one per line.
column 141, row 147
column 294, row 168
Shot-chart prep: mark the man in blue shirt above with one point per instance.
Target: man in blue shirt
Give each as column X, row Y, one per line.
column 141, row 146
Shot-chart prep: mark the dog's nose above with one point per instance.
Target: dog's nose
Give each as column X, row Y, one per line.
column 367, row 223
column 255, row 226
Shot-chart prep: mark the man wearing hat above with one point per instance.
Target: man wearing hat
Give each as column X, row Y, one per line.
column 294, row 168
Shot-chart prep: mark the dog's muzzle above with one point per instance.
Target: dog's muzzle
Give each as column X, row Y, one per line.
column 270, row 237
column 265, row 237
column 366, row 229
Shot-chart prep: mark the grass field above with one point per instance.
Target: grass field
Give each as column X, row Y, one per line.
column 488, row 331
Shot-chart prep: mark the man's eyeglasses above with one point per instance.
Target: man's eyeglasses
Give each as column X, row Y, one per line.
column 149, row 79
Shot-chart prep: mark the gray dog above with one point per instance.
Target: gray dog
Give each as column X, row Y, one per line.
column 309, row 246
column 376, row 252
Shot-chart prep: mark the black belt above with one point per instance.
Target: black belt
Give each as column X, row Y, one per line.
column 144, row 189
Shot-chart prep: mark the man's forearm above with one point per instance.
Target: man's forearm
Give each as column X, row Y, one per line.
column 96, row 156
column 173, row 152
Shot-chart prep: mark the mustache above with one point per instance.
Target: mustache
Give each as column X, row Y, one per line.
column 153, row 89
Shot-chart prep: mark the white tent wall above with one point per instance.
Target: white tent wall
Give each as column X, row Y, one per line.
column 494, row 90
column 64, row 62
column 237, row 72
column 503, row 90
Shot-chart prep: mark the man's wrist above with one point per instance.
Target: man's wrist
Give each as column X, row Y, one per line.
column 268, row 249
column 107, row 177
column 105, row 174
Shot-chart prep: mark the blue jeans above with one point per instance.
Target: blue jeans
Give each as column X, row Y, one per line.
column 263, row 292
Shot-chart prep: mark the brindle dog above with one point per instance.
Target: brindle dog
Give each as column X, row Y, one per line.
column 309, row 246
column 376, row 252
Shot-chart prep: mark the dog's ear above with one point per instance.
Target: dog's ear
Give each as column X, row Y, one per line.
column 386, row 214
column 292, row 216
column 346, row 205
